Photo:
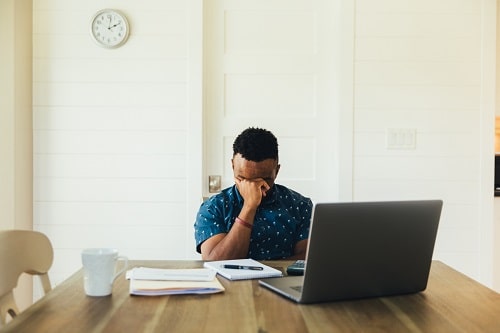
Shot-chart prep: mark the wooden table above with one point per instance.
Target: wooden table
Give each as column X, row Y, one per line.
column 451, row 303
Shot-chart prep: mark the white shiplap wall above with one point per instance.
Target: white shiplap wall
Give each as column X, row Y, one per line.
column 116, row 132
column 111, row 132
column 418, row 65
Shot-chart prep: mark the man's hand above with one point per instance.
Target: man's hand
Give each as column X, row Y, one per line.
column 252, row 191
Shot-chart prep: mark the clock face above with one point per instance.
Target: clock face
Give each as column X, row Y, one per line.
column 109, row 28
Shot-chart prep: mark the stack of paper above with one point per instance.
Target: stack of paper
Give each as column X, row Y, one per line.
column 157, row 281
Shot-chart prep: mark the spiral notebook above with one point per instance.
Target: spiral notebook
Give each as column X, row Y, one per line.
column 243, row 269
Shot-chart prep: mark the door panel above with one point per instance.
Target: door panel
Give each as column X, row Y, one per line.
column 271, row 64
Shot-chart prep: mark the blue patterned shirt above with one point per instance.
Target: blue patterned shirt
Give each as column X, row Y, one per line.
column 282, row 219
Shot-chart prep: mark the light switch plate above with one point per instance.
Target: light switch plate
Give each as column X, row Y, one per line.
column 401, row 138
column 214, row 183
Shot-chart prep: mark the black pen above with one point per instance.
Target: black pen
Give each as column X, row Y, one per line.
column 252, row 268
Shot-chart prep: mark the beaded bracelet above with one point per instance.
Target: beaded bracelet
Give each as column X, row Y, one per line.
column 244, row 223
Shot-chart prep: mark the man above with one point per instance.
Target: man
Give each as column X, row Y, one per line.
column 255, row 218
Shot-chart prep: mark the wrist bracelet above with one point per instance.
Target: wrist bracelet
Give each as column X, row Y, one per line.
column 243, row 223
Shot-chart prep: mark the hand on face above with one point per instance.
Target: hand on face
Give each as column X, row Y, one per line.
column 254, row 179
column 253, row 190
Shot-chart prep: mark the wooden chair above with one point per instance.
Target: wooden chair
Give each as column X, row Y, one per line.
column 21, row 251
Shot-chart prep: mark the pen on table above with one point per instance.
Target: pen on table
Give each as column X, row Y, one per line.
column 252, row 268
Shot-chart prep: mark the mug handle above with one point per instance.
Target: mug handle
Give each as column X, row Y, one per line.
column 125, row 265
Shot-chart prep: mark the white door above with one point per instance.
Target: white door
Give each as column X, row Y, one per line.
column 273, row 64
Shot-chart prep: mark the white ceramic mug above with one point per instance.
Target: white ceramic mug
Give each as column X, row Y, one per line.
column 99, row 268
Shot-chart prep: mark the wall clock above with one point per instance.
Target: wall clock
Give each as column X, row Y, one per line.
column 109, row 28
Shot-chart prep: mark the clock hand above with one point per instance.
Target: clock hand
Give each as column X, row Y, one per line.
column 114, row 25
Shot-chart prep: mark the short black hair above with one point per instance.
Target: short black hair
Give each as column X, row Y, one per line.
column 256, row 144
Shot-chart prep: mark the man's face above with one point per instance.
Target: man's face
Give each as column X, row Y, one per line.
column 250, row 170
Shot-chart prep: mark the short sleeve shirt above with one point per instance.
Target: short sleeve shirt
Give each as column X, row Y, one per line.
column 282, row 219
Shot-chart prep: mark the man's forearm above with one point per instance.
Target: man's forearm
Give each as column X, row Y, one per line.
column 234, row 244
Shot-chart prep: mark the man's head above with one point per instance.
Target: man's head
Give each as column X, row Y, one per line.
column 256, row 144
column 255, row 155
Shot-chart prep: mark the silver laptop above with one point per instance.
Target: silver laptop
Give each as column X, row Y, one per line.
column 365, row 249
